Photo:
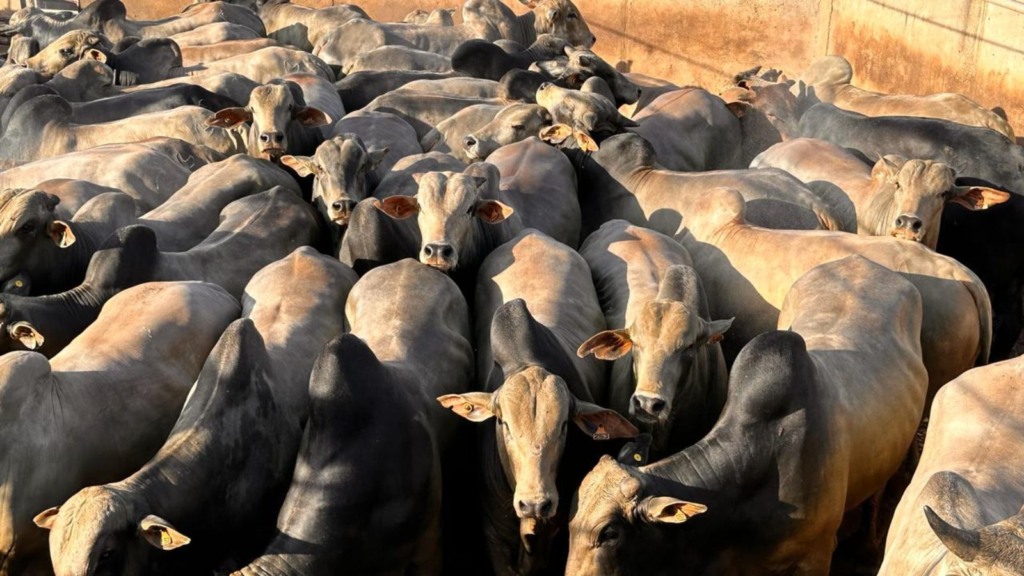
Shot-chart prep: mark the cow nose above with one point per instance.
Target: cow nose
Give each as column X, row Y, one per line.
column 649, row 406
column 539, row 507
column 271, row 137
column 343, row 206
column 438, row 250
column 593, row 39
column 639, row 91
column 470, row 141
column 909, row 222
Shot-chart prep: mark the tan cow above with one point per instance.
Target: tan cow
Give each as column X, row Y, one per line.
column 194, row 55
column 669, row 373
column 962, row 513
column 535, row 302
column 831, row 78
column 750, row 269
column 800, row 442
column 121, row 385
column 897, row 197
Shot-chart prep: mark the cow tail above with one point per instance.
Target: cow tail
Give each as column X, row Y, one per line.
column 984, row 305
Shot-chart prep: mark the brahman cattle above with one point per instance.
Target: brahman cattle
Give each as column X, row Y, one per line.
column 961, row 513
column 479, row 210
column 535, row 302
column 375, row 435
column 251, row 395
column 830, row 78
column 798, row 444
column 119, row 387
column 669, row 373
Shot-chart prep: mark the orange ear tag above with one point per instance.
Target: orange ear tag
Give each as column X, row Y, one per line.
column 601, row 433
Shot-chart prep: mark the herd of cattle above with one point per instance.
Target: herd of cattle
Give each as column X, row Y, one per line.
column 290, row 291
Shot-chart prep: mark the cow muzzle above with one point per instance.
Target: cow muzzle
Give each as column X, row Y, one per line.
column 908, row 227
column 440, row 255
column 535, row 506
column 649, row 408
column 341, row 211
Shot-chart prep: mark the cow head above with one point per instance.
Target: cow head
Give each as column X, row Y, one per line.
column 449, row 208
column 615, row 523
column 532, row 411
column 69, row 48
column 561, row 18
column 584, row 64
column 664, row 338
column 84, row 80
column 343, row 170
column 911, row 194
column 102, row 531
column 585, row 112
column 514, row 123
column 274, row 110
column 30, row 231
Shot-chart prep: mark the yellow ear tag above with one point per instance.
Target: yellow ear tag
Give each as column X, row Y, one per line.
column 468, row 408
column 19, row 283
column 680, row 514
column 165, row 538
column 637, row 457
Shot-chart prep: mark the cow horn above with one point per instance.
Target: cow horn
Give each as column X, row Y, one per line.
column 964, row 543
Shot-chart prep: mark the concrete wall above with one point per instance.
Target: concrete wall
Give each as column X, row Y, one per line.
column 975, row 47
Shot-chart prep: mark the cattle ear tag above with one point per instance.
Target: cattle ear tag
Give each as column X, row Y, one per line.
column 585, row 142
column 601, row 433
column 160, row 534
column 61, row 234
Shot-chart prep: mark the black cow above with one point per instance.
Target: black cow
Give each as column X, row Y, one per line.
column 973, row 152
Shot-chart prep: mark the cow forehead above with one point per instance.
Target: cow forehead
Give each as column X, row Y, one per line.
column 535, row 396
column 345, row 152
column 936, row 177
column 609, row 484
column 446, row 192
column 271, row 97
column 665, row 323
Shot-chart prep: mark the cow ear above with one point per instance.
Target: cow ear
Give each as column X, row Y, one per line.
column 715, row 331
column 602, row 423
column 46, row 518
column 607, row 345
column 418, row 176
column 887, row 169
column 666, row 510
column 97, row 55
column 27, row 334
column 303, row 165
column 556, row 134
column 229, row 118
column 977, row 197
column 473, row 406
column 61, row 233
column 738, row 109
column 160, row 534
column 492, row 211
column 584, row 141
column 375, row 157
column 398, row 207
column 309, row 116
column 553, row 14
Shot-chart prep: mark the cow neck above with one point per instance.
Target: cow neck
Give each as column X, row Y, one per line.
column 70, row 264
column 525, row 28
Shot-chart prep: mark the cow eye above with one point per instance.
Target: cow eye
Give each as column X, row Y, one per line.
column 572, row 16
column 106, row 555
column 609, row 534
column 27, row 228
column 66, row 52
column 518, row 127
column 469, row 210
